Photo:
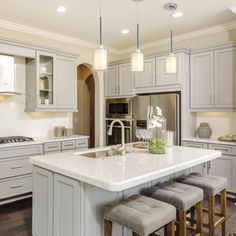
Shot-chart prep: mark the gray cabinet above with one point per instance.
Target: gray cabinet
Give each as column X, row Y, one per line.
column 147, row 78
column 66, row 84
column 225, row 77
column 224, row 166
column 119, row 81
column 202, row 80
column 42, row 202
column 51, row 83
column 111, row 77
column 66, row 206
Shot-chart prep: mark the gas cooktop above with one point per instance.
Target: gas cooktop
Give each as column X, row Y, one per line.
column 15, row 139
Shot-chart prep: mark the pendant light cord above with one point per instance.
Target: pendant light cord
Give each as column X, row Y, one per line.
column 138, row 25
column 171, row 31
column 100, row 24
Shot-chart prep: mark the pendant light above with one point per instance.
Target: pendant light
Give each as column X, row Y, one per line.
column 137, row 56
column 100, row 54
column 171, row 60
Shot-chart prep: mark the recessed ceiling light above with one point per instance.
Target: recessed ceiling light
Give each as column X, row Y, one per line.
column 61, row 9
column 178, row 14
column 125, row 31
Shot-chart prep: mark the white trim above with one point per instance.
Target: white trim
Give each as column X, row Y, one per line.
column 78, row 42
column 182, row 37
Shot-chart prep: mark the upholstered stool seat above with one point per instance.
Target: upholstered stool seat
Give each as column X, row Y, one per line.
column 211, row 185
column 141, row 214
column 183, row 197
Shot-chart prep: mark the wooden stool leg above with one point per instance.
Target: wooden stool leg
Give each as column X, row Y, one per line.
column 192, row 215
column 170, row 229
column 211, row 207
column 223, row 199
column 199, row 218
column 182, row 223
column 107, row 228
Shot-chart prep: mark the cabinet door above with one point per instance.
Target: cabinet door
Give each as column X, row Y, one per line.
column 111, row 81
column 46, row 74
column 67, row 206
column 66, row 84
column 125, row 80
column 42, row 202
column 225, row 77
column 163, row 78
column 146, row 78
column 202, row 167
column 202, row 80
column 225, row 166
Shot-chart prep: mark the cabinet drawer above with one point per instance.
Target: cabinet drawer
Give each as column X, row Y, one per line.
column 16, row 186
column 67, row 145
column 81, row 143
column 223, row 148
column 14, row 167
column 194, row 144
column 21, row 151
column 52, row 147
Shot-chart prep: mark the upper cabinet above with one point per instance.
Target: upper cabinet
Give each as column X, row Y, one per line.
column 51, row 83
column 213, row 76
column 146, row 78
column 119, row 81
column 225, row 78
column 202, row 80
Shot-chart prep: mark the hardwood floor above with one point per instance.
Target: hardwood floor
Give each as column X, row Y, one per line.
column 16, row 219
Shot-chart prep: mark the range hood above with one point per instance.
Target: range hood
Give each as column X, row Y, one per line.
column 7, row 76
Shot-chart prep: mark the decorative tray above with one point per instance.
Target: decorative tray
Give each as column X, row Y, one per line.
column 141, row 145
column 228, row 138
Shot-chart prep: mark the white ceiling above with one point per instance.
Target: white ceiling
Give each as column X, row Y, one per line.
column 81, row 18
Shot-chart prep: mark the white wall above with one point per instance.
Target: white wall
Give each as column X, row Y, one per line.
column 13, row 119
column 221, row 122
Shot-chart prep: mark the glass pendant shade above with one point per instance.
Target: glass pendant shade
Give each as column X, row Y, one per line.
column 100, row 58
column 137, row 61
column 171, row 64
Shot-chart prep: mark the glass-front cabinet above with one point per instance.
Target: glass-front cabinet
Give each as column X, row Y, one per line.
column 46, row 79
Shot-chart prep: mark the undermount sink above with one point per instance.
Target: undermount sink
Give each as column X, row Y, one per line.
column 100, row 153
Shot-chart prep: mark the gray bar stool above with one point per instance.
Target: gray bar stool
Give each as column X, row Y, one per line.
column 211, row 185
column 183, row 197
column 142, row 215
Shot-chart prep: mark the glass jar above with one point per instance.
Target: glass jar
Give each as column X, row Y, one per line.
column 157, row 143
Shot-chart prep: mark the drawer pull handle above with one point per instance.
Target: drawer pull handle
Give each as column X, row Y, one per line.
column 19, row 186
column 68, row 145
column 194, row 146
column 53, row 147
column 222, row 149
column 16, row 167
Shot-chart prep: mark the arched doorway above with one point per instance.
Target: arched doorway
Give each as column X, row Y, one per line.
column 84, row 119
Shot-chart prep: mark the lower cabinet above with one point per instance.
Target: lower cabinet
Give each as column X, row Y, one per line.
column 224, row 166
column 42, row 202
column 67, row 206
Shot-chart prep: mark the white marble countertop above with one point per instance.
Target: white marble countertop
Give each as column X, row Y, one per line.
column 42, row 140
column 210, row 140
column 117, row 173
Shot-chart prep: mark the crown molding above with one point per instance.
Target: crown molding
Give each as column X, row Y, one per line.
column 8, row 25
column 183, row 37
column 82, row 43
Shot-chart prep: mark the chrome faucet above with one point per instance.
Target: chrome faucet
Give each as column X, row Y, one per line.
column 120, row 149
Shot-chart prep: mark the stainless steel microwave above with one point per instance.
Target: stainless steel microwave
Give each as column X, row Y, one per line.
column 119, row 108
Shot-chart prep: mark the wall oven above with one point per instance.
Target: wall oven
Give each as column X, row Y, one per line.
column 115, row 138
column 119, row 108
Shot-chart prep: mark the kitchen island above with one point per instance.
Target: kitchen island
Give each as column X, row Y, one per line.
column 70, row 189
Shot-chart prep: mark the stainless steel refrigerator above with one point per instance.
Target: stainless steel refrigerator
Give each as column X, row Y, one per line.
column 170, row 105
